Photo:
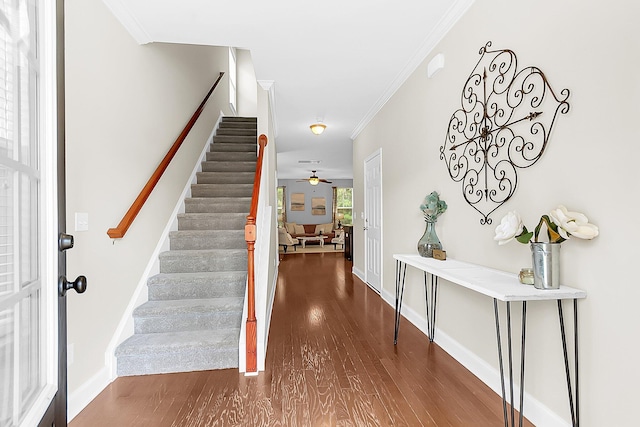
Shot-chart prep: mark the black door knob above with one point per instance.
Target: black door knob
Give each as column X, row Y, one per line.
column 80, row 285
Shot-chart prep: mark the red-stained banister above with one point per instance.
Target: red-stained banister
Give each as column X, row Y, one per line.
column 119, row 231
column 250, row 237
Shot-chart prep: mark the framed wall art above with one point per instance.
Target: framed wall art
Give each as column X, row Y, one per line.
column 318, row 206
column 297, row 202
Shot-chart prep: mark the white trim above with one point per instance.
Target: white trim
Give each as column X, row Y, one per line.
column 88, row 391
column 270, row 86
column 128, row 21
column 534, row 410
column 455, row 12
column 47, row 128
column 358, row 273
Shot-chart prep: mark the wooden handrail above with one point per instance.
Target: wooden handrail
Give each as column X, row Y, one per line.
column 136, row 206
column 250, row 237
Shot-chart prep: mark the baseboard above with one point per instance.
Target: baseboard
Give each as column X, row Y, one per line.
column 358, row 273
column 270, row 300
column 534, row 410
column 83, row 395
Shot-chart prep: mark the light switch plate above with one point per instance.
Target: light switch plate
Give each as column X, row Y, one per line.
column 82, row 221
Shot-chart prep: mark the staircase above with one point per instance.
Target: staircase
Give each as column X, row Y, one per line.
column 192, row 319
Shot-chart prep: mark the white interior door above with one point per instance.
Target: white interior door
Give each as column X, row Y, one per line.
column 373, row 220
column 28, row 212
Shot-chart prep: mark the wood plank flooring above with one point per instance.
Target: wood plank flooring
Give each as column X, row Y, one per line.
column 330, row 362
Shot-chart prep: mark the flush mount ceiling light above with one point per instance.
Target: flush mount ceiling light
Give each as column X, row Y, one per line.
column 317, row 128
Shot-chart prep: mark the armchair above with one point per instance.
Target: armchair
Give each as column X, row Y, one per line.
column 339, row 239
column 285, row 240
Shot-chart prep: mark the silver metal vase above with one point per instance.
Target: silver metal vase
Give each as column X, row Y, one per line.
column 546, row 265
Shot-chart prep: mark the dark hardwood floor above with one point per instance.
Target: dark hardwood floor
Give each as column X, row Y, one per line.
column 330, row 362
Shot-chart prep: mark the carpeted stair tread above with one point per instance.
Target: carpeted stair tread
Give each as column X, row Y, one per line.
column 199, row 305
column 236, row 131
column 207, row 239
column 241, row 147
column 225, row 177
column 231, row 156
column 237, row 141
column 221, row 190
column 211, row 284
column 220, row 166
column 217, row 205
column 159, row 353
column 209, row 221
column 172, row 341
column 188, row 315
column 201, row 260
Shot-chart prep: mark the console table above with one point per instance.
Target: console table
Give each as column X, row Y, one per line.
column 500, row 286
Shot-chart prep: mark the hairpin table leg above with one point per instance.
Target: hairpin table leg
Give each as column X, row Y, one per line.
column 401, row 271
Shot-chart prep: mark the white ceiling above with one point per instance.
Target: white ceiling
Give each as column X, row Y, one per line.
column 337, row 61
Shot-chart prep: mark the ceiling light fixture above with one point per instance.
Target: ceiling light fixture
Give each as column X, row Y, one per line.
column 314, row 180
column 318, row 128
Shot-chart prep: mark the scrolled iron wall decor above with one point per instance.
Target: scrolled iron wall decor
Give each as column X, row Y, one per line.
column 503, row 125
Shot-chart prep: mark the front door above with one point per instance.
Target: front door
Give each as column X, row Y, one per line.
column 32, row 310
column 373, row 220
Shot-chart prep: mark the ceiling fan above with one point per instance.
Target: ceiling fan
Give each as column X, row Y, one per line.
column 314, row 180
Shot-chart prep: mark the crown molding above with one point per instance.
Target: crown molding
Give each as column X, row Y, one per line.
column 128, row 21
column 455, row 12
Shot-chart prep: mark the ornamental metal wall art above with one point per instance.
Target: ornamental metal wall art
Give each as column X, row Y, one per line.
column 503, row 125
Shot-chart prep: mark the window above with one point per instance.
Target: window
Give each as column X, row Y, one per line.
column 233, row 76
column 344, row 205
column 280, row 206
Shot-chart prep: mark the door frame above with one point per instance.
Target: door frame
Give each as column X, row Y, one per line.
column 52, row 125
column 376, row 153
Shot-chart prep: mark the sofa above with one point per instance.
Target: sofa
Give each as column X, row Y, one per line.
column 307, row 230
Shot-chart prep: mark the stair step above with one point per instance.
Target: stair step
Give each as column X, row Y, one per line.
column 173, row 286
column 226, row 119
column 236, row 131
column 202, row 260
column 159, row 353
column 232, row 156
column 207, row 239
column 155, row 317
column 225, row 177
column 217, row 205
column 220, row 166
column 221, row 190
column 233, row 147
column 236, row 140
column 238, row 125
column 211, row 221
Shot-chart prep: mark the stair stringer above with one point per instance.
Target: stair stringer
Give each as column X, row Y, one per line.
column 125, row 328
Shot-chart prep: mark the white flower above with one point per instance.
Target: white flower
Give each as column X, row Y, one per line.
column 510, row 227
column 573, row 224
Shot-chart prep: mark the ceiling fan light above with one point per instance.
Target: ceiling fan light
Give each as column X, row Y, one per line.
column 314, row 180
column 318, row 128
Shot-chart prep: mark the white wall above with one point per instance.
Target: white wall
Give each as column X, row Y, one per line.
column 590, row 165
column 320, row 190
column 126, row 104
column 247, row 87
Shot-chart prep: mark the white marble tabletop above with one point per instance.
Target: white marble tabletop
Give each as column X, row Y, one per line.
column 497, row 284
